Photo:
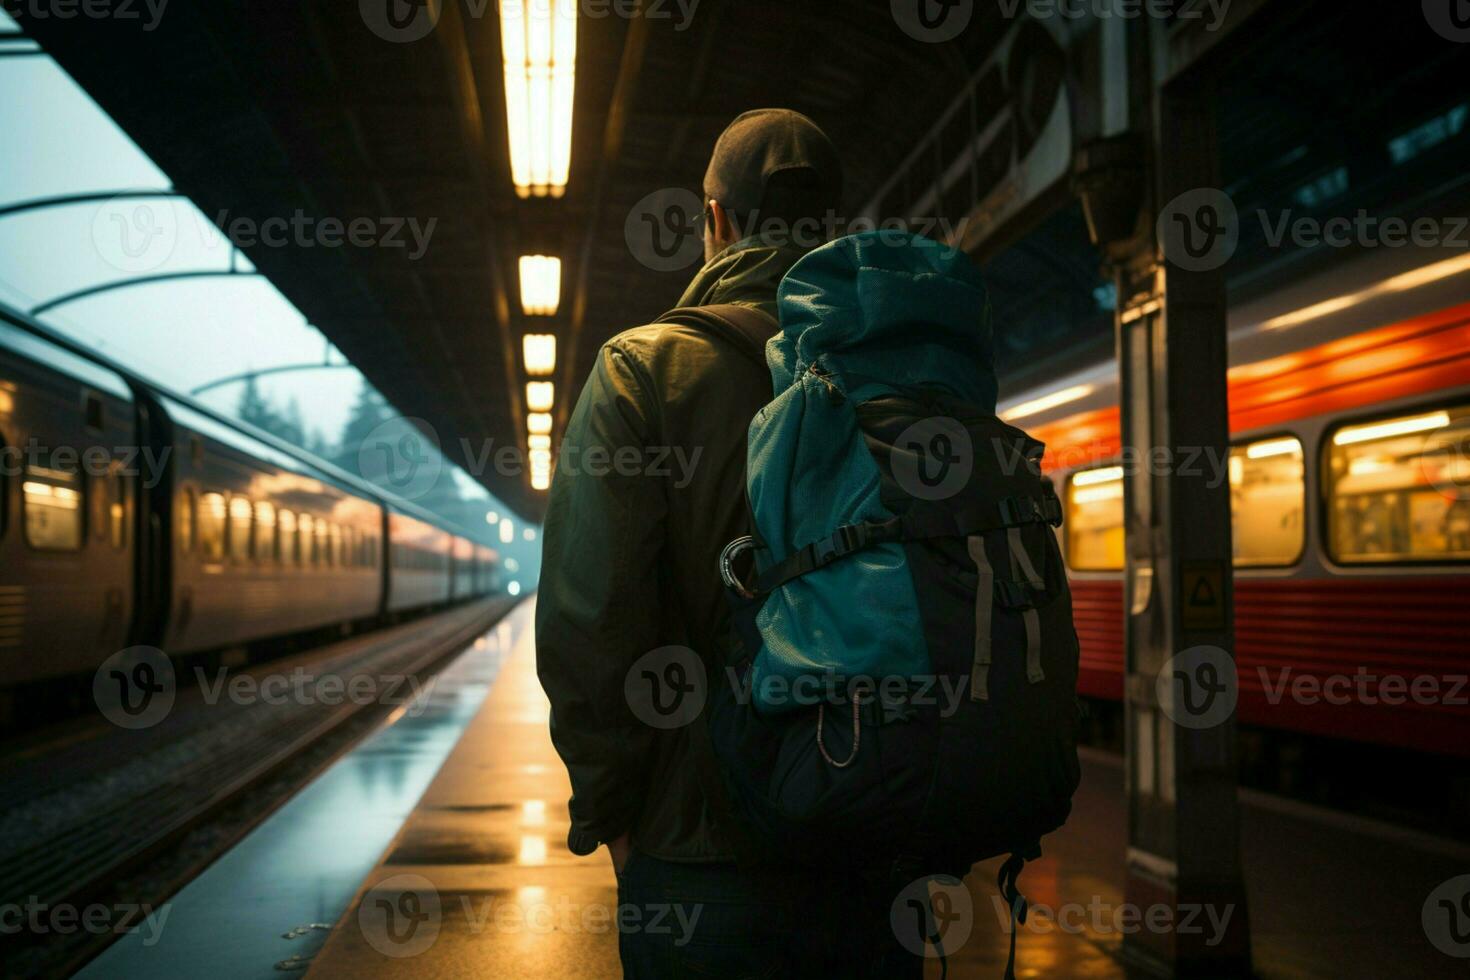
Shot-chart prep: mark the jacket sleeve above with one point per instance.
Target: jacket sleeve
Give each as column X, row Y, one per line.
column 597, row 601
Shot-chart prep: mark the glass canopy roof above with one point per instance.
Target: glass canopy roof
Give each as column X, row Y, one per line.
column 95, row 244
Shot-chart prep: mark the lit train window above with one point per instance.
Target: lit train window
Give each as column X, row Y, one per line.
column 211, row 526
column 242, row 547
column 322, row 552
column 1399, row 489
column 289, row 543
column 184, row 521
column 306, row 534
column 54, row 508
column 1268, row 497
column 117, row 509
column 1094, row 523
column 267, row 544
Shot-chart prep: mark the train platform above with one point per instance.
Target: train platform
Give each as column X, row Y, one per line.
column 436, row 849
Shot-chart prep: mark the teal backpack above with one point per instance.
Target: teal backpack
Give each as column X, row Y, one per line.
column 904, row 678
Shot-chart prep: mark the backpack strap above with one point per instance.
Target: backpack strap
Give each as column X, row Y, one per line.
column 744, row 326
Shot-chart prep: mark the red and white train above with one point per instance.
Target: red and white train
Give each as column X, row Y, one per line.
column 1349, row 476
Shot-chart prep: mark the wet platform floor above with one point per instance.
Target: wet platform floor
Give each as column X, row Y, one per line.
column 475, row 880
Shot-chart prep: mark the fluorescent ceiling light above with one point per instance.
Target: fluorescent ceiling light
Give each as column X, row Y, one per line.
column 538, row 423
column 1273, row 447
column 538, row 442
column 538, row 40
column 1054, row 400
column 539, row 352
column 1412, row 279
column 1387, row 430
column 1107, row 474
column 541, row 481
column 540, row 285
column 540, row 395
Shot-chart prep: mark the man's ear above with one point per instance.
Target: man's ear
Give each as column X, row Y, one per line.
column 720, row 226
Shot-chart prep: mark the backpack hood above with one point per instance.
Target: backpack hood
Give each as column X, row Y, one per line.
column 887, row 307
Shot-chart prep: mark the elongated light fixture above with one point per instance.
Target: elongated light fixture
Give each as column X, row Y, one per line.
column 1387, row 430
column 1106, row 474
column 540, row 285
column 538, row 39
column 540, row 395
column 539, row 352
column 538, row 423
column 1047, row 402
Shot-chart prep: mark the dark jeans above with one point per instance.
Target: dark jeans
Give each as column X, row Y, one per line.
column 712, row 920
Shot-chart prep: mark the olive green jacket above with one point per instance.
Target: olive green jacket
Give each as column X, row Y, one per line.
column 630, row 552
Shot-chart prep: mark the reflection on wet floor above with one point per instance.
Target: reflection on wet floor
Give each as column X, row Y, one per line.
column 263, row 902
column 479, row 882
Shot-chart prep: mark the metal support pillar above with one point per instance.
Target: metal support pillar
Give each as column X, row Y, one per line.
column 1184, row 873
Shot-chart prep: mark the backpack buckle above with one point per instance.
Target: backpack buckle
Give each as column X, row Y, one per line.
column 1015, row 511
column 843, row 541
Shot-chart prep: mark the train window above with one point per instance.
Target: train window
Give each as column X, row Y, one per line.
column 267, row 544
column 1094, row 525
column 242, row 547
column 54, row 508
column 322, row 551
column 1268, row 496
column 117, row 508
column 184, row 521
column 211, row 526
column 286, row 534
column 306, row 534
column 1399, row 489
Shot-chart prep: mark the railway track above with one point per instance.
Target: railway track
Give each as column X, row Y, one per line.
column 128, row 796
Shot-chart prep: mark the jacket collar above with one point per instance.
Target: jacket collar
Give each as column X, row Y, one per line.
column 746, row 272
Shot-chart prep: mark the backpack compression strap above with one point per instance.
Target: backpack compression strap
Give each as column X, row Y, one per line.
column 1008, row 513
column 744, row 326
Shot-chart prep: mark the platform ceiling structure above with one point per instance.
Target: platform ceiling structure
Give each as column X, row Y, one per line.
column 261, row 110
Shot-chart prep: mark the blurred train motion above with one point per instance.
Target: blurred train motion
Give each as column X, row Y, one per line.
column 129, row 516
column 1349, row 474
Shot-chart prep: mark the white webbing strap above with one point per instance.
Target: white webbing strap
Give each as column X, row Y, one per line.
column 1021, row 565
column 984, row 606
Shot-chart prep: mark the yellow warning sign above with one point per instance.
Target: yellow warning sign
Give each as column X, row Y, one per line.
column 1203, row 594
